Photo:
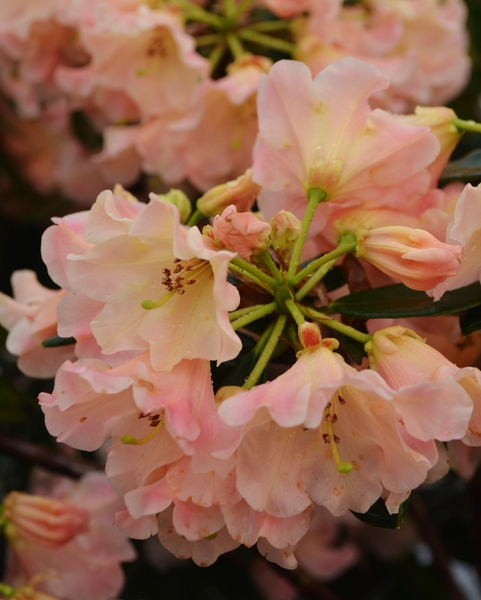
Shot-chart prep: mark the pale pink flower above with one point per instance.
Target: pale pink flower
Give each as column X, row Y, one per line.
column 464, row 230
column 85, row 567
column 329, row 434
column 31, row 318
column 287, row 8
column 403, row 358
column 145, row 53
column 414, row 256
column 316, row 138
column 242, row 232
column 177, row 272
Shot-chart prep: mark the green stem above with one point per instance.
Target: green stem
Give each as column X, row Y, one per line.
column 266, row 353
column 243, row 7
column 272, row 267
column 253, row 270
column 254, row 316
column 268, row 41
column 314, row 198
column 295, row 312
column 270, row 25
column 229, row 9
column 262, row 341
column 216, row 55
column 244, row 311
column 314, row 280
column 467, row 125
column 322, row 260
column 292, row 335
column 235, row 45
column 194, row 12
column 254, row 279
column 208, row 39
column 336, row 325
column 194, row 218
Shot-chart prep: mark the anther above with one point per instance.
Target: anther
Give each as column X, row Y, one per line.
column 177, row 260
column 328, row 405
column 328, row 417
column 337, row 439
column 334, row 418
column 341, row 400
column 190, row 281
column 326, row 437
column 154, row 417
column 181, row 292
column 166, row 272
column 154, row 423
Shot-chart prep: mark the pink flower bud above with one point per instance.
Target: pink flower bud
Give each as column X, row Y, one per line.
column 45, row 521
column 240, row 192
column 414, row 256
column 243, row 233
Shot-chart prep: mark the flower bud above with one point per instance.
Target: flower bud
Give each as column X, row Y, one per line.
column 179, row 199
column 240, row 192
column 227, row 392
column 27, row 591
column 414, row 256
column 44, row 521
column 242, row 232
column 286, row 229
column 440, row 120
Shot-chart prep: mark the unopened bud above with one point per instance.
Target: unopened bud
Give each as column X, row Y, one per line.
column 226, row 392
column 242, row 232
column 44, row 521
column 179, row 199
column 286, row 229
column 240, row 192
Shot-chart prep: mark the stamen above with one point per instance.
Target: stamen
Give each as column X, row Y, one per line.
column 331, row 438
column 131, row 440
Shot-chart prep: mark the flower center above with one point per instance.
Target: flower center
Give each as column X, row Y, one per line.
column 156, row 421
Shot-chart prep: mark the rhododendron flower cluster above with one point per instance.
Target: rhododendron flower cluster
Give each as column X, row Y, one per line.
column 166, row 326
column 120, row 88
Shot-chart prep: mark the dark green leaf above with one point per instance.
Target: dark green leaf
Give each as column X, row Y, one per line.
column 378, row 515
column 84, row 131
column 467, row 169
column 395, row 301
column 471, row 320
column 11, row 410
column 55, row 341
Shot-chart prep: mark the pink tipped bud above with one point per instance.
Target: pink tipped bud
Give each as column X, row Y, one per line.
column 243, row 233
column 414, row 256
column 179, row 199
column 310, row 335
column 44, row 521
column 286, row 229
column 240, row 192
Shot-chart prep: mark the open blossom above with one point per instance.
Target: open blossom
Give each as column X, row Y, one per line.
column 144, row 53
column 31, row 318
column 142, row 277
column 414, row 256
column 316, row 138
column 242, row 232
column 330, row 434
column 403, row 358
column 70, row 539
column 465, row 230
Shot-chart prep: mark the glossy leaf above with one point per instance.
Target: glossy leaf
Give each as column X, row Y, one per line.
column 395, row 301
column 56, row 341
column 471, row 320
column 378, row 515
column 467, row 169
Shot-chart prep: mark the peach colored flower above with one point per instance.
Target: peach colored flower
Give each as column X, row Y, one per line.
column 84, row 567
column 31, row 318
column 330, row 434
column 464, row 230
column 316, row 139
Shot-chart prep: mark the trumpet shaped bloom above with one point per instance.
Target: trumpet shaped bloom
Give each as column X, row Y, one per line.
column 323, row 134
column 330, row 434
column 403, row 358
column 151, row 284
